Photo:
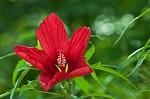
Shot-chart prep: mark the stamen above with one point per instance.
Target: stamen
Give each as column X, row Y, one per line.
column 61, row 60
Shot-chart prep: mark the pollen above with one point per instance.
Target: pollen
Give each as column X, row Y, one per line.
column 61, row 60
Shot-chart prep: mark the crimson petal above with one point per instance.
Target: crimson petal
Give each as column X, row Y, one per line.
column 52, row 36
column 78, row 44
column 47, row 81
column 79, row 72
column 38, row 58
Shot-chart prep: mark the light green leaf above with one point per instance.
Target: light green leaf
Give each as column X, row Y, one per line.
column 96, row 65
column 94, row 76
column 18, row 82
column 112, row 72
column 89, row 53
column 10, row 54
column 82, row 83
column 138, row 93
column 135, row 52
column 98, row 95
column 15, row 73
column 146, row 45
column 140, row 61
column 38, row 45
column 30, row 85
column 142, row 14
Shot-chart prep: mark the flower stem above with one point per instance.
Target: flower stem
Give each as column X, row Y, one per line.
column 63, row 89
column 71, row 88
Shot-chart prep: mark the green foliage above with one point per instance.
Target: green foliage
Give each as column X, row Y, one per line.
column 142, row 14
column 107, row 20
column 10, row 54
column 82, row 83
column 89, row 53
column 94, row 66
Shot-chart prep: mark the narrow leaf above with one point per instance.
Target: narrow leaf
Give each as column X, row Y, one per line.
column 142, row 14
column 82, row 83
column 10, row 54
column 18, row 82
column 138, row 93
column 38, row 45
column 147, row 43
column 15, row 73
column 94, row 76
column 98, row 95
column 113, row 72
column 90, row 52
column 135, row 52
column 138, row 64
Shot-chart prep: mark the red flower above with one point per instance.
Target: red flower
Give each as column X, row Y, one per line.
column 61, row 58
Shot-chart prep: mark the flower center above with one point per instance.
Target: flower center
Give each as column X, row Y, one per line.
column 61, row 60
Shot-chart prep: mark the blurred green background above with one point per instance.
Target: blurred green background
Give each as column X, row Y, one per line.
column 19, row 20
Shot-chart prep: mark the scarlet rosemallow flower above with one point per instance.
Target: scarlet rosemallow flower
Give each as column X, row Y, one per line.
column 61, row 58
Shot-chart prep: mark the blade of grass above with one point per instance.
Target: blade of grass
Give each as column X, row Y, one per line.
column 18, row 82
column 138, row 93
column 113, row 72
column 140, row 61
column 10, row 54
column 142, row 14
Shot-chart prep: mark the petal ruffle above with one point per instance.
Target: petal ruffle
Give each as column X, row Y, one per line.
column 38, row 58
column 47, row 81
column 78, row 43
column 52, row 36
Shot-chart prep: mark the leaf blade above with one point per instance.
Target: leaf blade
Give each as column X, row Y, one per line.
column 142, row 14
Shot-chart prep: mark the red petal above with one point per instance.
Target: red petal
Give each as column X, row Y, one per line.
column 52, row 35
column 47, row 81
column 37, row 58
column 79, row 72
column 78, row 43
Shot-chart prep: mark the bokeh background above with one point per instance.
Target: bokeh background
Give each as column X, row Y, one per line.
column 19, row 20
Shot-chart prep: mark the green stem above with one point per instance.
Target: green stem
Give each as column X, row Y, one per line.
column 63, row 89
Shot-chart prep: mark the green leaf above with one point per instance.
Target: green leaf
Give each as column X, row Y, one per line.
column 135, row 52
column 146, row 45
column 38, row 45
column 10, row 54
column 96, row 65
column 140, row 61
column 112, row 72
column 98, row 95
column 94, row 76
column 90, row 52
column 30, row 85
column 138, row 93
column 82, row 83
column 142, row 14
column 15, row 73
column 18, row 82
